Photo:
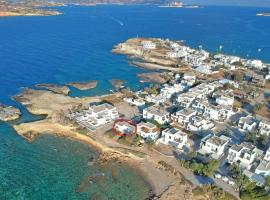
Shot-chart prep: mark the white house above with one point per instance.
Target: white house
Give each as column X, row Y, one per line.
column 198, row 124
column 156, row 113
column 156, row 99
column 96, row 115
column 183, row 116
column 264, row 128
column 135, row 101
column 172, row 54
column 243, row 154
column 204, row 69
column 148, row 45
column 263, row 168
column 174, row 137
column 148, row 131
column 225, row 100
column 189, row 79
column 186, row 99
column 248, row 123
column 258, row 64
column 267, row 155
column 124, row 128
column 218, row 112
column 214, row 145
column 169, row 90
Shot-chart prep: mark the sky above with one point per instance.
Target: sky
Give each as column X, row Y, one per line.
column 258, row 3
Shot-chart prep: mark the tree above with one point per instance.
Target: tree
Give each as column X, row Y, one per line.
column 258, row 107
column 235, row 169
column 211, row 167
column 238, row 76
column 250, row 137
column 267, row 181
column 193, row 154
column 238, row 63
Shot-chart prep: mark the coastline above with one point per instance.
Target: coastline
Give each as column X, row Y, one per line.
column 18, row 14
column 110, row 151
column 147, row 169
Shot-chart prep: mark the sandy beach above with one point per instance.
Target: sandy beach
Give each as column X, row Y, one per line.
column 171, row 187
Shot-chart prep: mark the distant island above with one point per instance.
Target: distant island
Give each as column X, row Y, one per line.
column 264, row 14
column 20, row 9
column 42, row 8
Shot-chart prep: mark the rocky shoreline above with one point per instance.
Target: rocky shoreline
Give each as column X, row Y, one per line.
column 151, row 51
column 9, row 113
column 39, row 102
column 55, row 88
column 87, row 85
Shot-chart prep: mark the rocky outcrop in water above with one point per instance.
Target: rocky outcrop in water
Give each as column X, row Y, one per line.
column 84, row 85
column 55, row 88
column 9, row 113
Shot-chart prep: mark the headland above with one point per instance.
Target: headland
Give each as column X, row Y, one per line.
column 198, row 92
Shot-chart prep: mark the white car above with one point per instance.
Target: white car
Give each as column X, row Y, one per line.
column 231, row 183
column 217, row 175
column 225, row 179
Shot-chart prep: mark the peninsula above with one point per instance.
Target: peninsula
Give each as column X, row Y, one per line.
column 187, row 134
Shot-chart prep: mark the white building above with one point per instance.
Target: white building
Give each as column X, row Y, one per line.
column 198, row 124
column 135, row 101
column 148, row 45
column 172, row 54
column 156, row 113
column 124, row 128
column 248, row 123
column 156, row 99
column 263, row 168
column 214, row 145
column 183, row 117
column 225, row 100
column 243, row 154
column 186, row 99
column 174, row 137
column 189, row 79
column 96, row 116
column 148, row 131
column 204, row 69
column 264, row 128
column 258, row 64
column 169, row 90
column 219, row 112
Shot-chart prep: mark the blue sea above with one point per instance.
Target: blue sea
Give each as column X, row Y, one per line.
column 76, row 46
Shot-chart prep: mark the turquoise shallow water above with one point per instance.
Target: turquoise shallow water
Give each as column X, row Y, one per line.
column 76, row 47
column 53, row 168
